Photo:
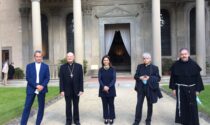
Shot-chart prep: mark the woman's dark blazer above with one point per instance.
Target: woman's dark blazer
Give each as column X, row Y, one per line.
column 107, row 78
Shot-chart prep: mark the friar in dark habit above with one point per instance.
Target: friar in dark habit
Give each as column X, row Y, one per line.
column 186, row 84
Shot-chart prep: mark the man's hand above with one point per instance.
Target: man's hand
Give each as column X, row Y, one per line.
column 141, row 77
column 174, row 92
column 80, row 93
column 144, row 77
column 147, row 77
column 62, row 94
column 197, row 93
column 40, row 87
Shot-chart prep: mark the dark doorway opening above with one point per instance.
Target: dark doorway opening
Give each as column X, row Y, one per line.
column 5, row 56
column 45, row 40
column 119, row 56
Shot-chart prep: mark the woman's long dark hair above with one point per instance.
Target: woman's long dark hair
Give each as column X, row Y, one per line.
column 102, row 61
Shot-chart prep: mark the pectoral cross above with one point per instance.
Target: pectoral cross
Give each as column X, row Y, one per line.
column 71, row 75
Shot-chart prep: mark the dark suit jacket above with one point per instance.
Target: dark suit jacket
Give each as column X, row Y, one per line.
column 64, row 75
column 152, row 83
column 44, row 77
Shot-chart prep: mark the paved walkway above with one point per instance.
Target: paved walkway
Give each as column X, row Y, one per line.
column 91, row 109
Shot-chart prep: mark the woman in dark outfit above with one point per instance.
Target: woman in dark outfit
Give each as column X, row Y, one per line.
column 107, row 92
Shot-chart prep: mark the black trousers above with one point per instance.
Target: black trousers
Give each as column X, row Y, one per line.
column 69, row 99
column 140, row 100
column 108, row 107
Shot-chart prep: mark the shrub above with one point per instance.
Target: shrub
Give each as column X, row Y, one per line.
column 19, row 73
column 62, row 61
column 166, row 65
column 85, row 62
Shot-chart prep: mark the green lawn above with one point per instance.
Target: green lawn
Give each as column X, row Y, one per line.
column 204, row 97
column 12, row 101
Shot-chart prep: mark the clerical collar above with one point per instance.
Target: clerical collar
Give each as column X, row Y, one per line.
column 70, row 64
column 147, row 64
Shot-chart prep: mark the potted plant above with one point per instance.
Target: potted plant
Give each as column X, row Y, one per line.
column 19, row 73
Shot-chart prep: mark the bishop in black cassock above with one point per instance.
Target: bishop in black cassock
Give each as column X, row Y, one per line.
column 186, row 83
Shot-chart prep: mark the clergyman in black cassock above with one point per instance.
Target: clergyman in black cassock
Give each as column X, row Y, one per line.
column 149, row 88
column 71, row 87
column 186, row 83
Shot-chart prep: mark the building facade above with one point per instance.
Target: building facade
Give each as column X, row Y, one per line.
column 123, row 29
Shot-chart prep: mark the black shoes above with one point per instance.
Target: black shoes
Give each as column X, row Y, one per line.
column 111, row 121
column 68, row 123
column 148, row 123
column 106, row 121
column 135, row 123
column 77, row 123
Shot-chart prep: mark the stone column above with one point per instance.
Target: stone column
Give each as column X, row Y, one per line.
column 78, row 32
column 200, row 35
column 36, row 25
column 156, row 34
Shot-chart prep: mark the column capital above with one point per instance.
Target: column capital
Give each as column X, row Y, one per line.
column 147, row 7
column 87, row 10
column 55, row 11
column 180, row 4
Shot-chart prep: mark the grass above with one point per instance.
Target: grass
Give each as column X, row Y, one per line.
column 204, row 97
column 12, row 102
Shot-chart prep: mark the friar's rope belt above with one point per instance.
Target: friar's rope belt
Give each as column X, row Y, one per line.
column 179, row 103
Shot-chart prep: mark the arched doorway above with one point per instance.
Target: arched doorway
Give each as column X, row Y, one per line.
column 117, row 46
column 119, row 56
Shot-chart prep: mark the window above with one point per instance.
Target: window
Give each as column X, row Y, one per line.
column 70, row 32
column 165, row 33
column 192, row 32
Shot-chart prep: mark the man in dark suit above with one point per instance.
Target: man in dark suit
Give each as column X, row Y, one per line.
column 71, row 87
column 11, row 71
column 147, row 85
column 37, row 76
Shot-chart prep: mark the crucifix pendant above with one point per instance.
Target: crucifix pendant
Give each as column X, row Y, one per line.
column 71, row 75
